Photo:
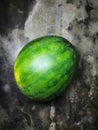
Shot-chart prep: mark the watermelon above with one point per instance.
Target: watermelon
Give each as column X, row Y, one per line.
column 45, row 67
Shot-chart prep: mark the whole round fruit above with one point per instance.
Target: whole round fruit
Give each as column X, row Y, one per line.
column 45, row 67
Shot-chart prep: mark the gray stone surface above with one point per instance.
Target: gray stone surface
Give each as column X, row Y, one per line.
column 77, row 21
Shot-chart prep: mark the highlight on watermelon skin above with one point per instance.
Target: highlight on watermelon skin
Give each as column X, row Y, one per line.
column 45, row 67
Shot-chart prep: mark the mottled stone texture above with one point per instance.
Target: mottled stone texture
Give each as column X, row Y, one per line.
column 24, row 20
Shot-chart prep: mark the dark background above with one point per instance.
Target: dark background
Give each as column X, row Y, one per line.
column 77, row 107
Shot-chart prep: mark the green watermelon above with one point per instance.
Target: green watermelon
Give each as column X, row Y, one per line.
column 45, row 67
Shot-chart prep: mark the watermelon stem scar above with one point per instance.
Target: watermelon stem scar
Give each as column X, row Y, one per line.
column 45, row 67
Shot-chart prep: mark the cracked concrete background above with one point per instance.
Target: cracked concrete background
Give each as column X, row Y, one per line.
column 25, row 20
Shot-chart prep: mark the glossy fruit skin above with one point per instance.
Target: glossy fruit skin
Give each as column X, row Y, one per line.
column 45, row 67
